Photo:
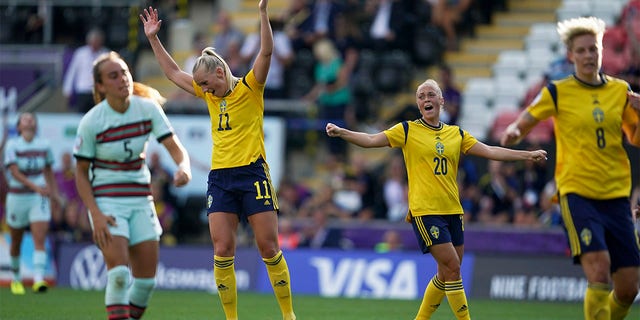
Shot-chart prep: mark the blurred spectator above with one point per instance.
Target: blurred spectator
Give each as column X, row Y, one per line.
column 550, row 214
column 365, row 183
column 288, row 237
column 78, row 80
column 500, row 195
column 198, row 43
column 323, row 198
column 391, row 241
column 283, row 56
column 331, row 90
column 226, row 35
column 295, row 18
column 387, row 26
column 69, row 215
column 449, row 15
column 560, row 68
column 166, row 212
column 319, row 23
column 162, row 177
column 318, row 234
column 395, row 189
column 291, row 195
column 451, row 94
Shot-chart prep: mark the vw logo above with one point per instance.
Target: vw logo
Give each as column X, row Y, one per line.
column 88, row 271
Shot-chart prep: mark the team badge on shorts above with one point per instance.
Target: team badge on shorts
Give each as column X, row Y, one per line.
column 209, row 201
column 586, row 236
column 435, row 232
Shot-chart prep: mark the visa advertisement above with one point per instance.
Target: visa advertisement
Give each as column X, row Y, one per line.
column 315, row 272
column 361, row 273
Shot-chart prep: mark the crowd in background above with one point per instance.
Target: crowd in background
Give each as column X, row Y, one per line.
column 340, row 56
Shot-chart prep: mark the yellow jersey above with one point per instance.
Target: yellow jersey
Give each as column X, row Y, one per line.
column 236, row 123
column 591, row 160
column 431, row 155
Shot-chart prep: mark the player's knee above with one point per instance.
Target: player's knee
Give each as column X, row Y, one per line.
column 118, row 277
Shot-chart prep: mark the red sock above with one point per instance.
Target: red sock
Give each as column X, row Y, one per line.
column 118, row 312
column 136, row 311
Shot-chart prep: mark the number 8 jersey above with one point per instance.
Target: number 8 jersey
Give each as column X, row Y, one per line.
column 588, row 119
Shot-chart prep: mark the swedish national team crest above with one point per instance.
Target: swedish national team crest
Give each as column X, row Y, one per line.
column 434, row 232
column 223, row 106
column 586, row 236
column 439, row 147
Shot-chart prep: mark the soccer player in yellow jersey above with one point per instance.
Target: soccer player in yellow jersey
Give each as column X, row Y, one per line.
column 239, row 185
column 591, row 111
column 431, row 152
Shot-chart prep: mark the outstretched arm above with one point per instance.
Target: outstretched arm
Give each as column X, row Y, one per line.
column 504, row 154
column 263, row 59
column 518, row 129
column 361, row 139
column 166, row 62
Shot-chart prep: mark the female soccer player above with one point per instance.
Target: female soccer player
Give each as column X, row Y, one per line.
column 113, row 181
column 591, row 111
column 239, row 185
column 32, row 186
column 431, row 153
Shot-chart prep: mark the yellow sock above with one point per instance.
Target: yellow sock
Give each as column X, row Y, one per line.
column 433, row 295
column 457, row 299
column 596, row 302
column 619, row 310
column 280, row 281
column 225, row 276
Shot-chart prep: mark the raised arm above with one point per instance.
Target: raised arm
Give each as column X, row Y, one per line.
column 263, row 59
column 518, row 129
column 360, row 139
column 166, row 62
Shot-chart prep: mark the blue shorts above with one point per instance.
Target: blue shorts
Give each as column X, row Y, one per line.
column 437, row 229
column 243, row 190
column 596, row 225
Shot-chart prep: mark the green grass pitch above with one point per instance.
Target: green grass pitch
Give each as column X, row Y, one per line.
column 65, row 303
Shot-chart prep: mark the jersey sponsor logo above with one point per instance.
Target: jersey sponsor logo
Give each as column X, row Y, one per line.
column 379, row 278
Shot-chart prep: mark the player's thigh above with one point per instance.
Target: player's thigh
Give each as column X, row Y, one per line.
column 117, row 252
column 18, row 207
column 265, row 230
column 144, row 259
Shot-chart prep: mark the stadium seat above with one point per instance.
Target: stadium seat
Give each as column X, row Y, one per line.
column 543, row 35
column 510, row 62
column 479, row 90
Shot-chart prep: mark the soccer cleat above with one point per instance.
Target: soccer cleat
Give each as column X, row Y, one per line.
column 17, row 288
column 40, row 287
